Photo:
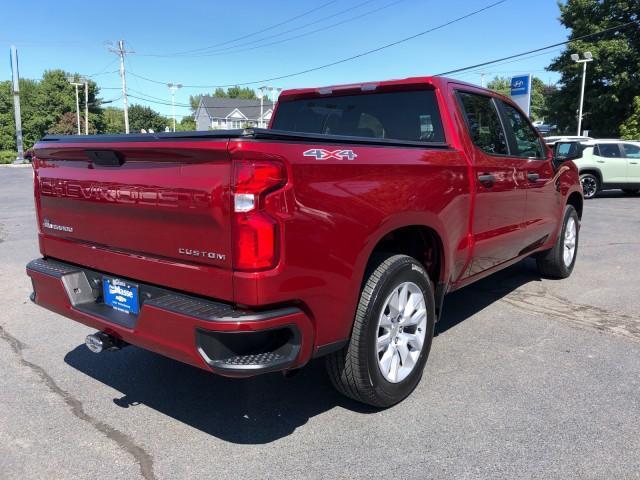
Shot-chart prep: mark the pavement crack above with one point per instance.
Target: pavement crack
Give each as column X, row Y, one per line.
column 546, row 303
column 124, row 441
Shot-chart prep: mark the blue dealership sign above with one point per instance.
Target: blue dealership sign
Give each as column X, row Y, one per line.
column 521, row 91
column 520, row 85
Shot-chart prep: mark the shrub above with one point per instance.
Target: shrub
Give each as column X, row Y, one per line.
column 7, row 156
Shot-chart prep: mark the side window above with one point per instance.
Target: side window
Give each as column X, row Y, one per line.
column 630, row 150
column 527, row 142
column 484, row 123
column 608, row 150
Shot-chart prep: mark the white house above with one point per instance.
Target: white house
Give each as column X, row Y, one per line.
column 216, row 113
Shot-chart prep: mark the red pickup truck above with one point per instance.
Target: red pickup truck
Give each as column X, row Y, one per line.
column 335, row 232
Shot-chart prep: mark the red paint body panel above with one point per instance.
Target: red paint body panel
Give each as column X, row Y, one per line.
column 167, row 333
column 135, row 220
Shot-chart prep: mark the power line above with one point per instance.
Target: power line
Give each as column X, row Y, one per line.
column 291, row 19
column 102, row 71
column 481, row 70
column 232, row 50
column 344, row 60
column 583, row 37
column 258, row 43
column 160, row 101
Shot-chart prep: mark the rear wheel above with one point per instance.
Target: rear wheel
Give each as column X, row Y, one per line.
column 391, row 336
column 590, row 185
column 631, row 191
column 560, row 260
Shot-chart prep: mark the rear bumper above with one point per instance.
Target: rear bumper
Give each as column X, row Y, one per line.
column 208, row 334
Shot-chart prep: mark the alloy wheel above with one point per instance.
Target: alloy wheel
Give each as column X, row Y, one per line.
column 401, row 331
column 570, row 232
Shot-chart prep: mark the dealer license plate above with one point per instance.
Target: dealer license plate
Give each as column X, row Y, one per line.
column 121, row 295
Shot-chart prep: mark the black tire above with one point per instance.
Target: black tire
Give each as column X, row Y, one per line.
column 354, row 370
column 551, row 262
column 590, row 185
column 631, row 191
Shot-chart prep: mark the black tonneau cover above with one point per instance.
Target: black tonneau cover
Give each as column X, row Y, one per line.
column 248, row 133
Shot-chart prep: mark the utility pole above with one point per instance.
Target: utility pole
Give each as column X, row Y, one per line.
column 172, row 88
column 588, row 57
column 121, row 52
column 16, row 103
column 482, row 80
column 86, row 106
column 72, row 81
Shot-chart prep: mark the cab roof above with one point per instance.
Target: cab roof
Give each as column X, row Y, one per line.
column 386, row 85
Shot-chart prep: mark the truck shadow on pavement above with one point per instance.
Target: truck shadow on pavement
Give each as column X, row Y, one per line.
column 262, row 409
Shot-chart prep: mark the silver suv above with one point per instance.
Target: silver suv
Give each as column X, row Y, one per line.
column 609, row 164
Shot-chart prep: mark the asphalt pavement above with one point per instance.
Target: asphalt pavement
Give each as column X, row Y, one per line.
column 527, row 378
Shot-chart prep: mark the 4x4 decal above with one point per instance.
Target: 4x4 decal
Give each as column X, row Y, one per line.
column 322, row 154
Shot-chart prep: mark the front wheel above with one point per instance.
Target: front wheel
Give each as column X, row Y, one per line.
column 559, row 261
column 590, row 185
column 391, row 336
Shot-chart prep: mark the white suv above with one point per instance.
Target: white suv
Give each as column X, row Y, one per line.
column 609, row 164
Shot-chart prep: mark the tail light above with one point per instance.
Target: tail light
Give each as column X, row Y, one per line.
column 256, row 232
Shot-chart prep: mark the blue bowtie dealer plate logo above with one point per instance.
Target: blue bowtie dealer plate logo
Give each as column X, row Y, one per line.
column 120, row 295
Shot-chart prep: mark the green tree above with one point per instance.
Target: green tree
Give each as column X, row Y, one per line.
column 630, row 129
column 540, row 94
column 194, row 101
column 245, row 93
column 613, row 78
column 66, row 125
column 43, row 104
column 187, row 123
column 220, row 93
column 113, row 120
column 7, row 125
column 146, row 118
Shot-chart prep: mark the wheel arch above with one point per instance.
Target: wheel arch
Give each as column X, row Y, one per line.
column 576, row 201
column 421, row 242
column 594, row 171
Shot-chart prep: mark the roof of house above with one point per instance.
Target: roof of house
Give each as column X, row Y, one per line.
column 217, row 107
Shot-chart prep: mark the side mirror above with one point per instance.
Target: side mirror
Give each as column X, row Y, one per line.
column 565, row 151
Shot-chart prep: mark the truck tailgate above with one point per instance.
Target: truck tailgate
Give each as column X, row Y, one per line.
column 144, row 209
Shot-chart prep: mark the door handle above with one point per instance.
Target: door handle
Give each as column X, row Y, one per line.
column 633, row 163
column 487, row 179
column 533, row 177
column 599, row 161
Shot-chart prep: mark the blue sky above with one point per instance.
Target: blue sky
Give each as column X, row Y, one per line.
column 71, row 35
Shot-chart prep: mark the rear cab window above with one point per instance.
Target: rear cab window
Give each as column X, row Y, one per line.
column 406, row 115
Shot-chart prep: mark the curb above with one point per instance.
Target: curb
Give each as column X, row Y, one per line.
column 20, row 165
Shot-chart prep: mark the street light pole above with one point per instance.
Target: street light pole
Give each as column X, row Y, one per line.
column 86, row 105
column 172, row 88
column 73, row 82
column 261, row 122
column 588, row 57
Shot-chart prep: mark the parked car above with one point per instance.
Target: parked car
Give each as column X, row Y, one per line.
column 609, row 164
column 544, row 128
column 337, row 232
column 552, row 140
